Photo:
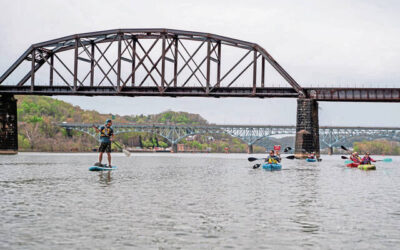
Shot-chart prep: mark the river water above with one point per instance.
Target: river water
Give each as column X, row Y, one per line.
column 195, row 201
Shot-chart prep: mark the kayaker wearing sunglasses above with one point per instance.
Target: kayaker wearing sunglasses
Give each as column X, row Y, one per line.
column 272, row 158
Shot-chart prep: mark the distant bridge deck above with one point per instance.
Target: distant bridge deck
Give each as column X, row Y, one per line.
column 329, row 135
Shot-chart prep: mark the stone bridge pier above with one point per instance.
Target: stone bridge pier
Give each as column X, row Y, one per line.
column 8, row 125
column 307, row 128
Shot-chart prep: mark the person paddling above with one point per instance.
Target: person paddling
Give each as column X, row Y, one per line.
column 355, row 157
column 106, row 137
column 272, row 158
column 366, row 160
column 311, row 156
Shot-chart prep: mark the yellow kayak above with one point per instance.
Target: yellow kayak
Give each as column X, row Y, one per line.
column 367, row 167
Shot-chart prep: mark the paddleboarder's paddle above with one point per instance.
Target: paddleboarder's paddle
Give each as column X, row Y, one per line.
column 126, row 152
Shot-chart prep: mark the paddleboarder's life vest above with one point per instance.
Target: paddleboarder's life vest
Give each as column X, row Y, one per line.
column 105, row 133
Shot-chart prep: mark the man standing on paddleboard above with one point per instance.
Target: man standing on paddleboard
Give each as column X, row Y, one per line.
column 106, row 137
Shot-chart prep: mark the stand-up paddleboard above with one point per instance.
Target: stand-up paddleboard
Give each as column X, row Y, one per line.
column 102, row 167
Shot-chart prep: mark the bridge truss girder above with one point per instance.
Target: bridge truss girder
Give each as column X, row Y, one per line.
column 162, row 62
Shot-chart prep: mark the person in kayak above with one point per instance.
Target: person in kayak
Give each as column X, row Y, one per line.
column 355, row 157
column 311, row 156
column 366, row 160
column 106, row 137
column 272, row 158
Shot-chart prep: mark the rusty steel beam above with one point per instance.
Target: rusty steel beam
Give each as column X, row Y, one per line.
column 47, row 52
column 151, row 91
column 176, row 63
column 218, row 65
column 255, row 72
column 208, row 66
column 75, row 74
column 33, row 70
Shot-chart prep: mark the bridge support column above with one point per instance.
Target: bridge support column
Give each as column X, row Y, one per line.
column 330, row 150
column 307, row 128
column 8, row 125
column 174, row 148
column 69, row 132
column 249, row 148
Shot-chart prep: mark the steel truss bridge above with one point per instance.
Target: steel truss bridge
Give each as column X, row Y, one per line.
column 172, row 63
column 250, row 134
column 162, row 62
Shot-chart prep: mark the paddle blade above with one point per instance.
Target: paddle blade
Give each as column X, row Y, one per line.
column 319, row 159
column 287, row 149
column 344, row 148
column 290, row 157
column 252, row 159
column 348, row 161
column 387, row 160
column 256, row 166
column 344, row 157
column 126, row 152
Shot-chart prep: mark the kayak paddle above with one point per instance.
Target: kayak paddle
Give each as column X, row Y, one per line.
column 344, row 148
column 386, row 160
column 255, row 159
column 291, row 157
column 287, row 149
column 348, row 161
column 256, row 165
column 344, row 157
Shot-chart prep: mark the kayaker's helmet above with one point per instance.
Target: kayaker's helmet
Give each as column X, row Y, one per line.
column 108, row 120
column 367, row 153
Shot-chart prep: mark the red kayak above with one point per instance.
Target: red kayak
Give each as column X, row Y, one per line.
column 353, row 165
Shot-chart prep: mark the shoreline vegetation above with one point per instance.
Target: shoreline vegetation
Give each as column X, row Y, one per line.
column 38, row 132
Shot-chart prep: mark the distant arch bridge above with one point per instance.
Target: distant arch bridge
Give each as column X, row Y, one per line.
column 329, row 135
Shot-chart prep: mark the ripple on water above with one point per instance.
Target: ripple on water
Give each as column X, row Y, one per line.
column 195, row 202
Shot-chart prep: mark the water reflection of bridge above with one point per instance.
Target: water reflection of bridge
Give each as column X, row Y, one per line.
column 329, row 135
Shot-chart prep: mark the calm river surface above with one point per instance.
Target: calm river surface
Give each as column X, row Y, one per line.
column 195, row 201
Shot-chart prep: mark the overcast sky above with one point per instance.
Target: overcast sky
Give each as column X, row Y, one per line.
column 321, row 42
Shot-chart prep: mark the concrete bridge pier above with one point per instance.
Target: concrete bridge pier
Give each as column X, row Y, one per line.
column 249, row 148
column 8, row 125
column 307, row 128
column 174, row 147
